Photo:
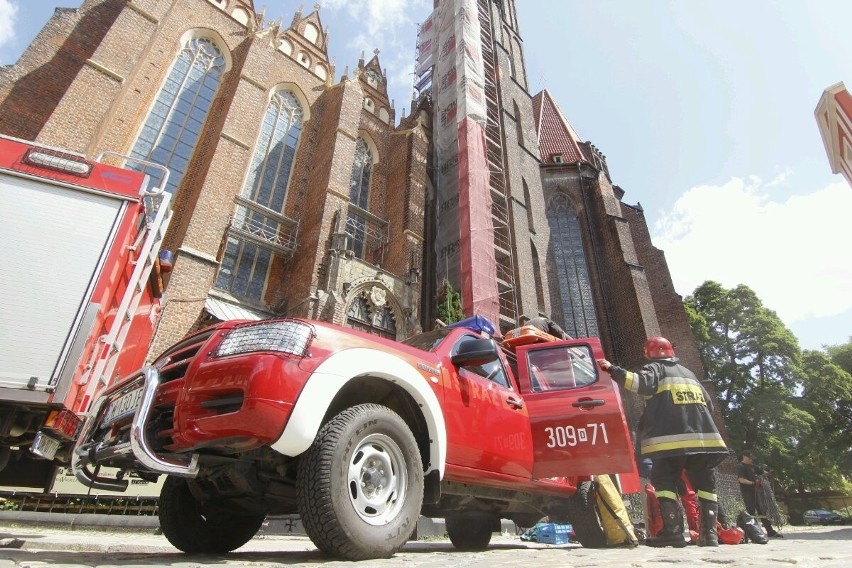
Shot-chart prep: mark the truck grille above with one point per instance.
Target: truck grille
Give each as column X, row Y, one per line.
column 180, row 356
column 177, row 359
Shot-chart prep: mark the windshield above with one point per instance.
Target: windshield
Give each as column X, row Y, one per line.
column 429, row 340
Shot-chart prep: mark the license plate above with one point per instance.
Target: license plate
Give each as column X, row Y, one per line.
column 45, row 446
column 122, row 406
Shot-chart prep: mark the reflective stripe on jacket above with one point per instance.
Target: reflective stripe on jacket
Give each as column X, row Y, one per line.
column 677, row 418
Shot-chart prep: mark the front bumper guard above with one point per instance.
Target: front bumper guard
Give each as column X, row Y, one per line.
column 87, row 452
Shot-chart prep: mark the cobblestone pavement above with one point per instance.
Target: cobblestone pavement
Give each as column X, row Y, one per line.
column 23, row 546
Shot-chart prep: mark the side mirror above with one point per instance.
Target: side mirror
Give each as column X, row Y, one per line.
column 476, row 352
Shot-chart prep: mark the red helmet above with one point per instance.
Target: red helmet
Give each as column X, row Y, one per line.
column 658, row 348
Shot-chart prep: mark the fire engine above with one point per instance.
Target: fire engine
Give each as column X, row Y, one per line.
column 82, row 274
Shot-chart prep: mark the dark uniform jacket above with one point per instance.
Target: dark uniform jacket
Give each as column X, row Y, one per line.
column 677, row 419
column 749, row 471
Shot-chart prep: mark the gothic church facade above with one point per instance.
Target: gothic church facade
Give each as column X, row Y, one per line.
column 298, row 194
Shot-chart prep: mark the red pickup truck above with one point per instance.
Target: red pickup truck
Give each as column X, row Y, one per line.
column 360, row 435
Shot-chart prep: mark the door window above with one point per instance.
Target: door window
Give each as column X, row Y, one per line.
column 561, row 368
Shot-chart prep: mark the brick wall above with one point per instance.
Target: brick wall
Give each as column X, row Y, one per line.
column 33, row 89
column 674, row 324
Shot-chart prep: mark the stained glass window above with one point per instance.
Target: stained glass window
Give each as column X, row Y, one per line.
column 359, row 194
column 572, row 274
column 245, row 264
column 174, row 123
column 378, row 320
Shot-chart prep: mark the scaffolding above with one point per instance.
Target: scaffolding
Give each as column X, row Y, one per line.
column 503, row 244
column 456, row 69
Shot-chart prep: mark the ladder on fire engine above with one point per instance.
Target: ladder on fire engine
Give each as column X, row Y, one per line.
column 112, row 343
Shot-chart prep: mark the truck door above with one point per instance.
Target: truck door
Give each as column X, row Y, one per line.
column 578, row 425
column 487, row 424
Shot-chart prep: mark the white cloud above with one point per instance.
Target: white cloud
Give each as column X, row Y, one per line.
column 8, row 21
column 795, row 254
column 386, row 25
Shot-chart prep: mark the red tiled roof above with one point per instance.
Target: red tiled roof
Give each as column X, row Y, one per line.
column 555, row 134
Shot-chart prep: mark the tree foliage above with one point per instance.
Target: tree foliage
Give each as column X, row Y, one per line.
column 793, row 408
column 841, row 355
column 449, row 309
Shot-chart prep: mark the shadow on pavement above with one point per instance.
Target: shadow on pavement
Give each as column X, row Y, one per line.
column 844, row 533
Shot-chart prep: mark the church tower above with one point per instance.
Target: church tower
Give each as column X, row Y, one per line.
column 513, row 174
column 470, row 64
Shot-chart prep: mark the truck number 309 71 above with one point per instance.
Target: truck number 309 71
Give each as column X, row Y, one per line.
column 562, row 436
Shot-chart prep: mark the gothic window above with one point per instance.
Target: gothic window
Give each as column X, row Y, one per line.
column 539, row 287
column 275, row 152
column 528, row 203
column 240, row 15
column 518, row 125
column 174, row 124
column 311, row 33
column 371, row 313
column 572, row 274
column 359, row 193
column 246, row 262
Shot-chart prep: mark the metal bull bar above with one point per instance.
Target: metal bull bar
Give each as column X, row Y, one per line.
column 89, row 452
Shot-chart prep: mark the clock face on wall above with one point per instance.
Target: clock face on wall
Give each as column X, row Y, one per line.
column 373, row 78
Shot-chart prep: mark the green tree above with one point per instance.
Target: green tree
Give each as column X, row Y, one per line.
column 449, row 309
column 752, row 360
column 794, row 408
column 825, row 449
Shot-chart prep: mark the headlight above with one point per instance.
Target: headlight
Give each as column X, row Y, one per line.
column 283, row 336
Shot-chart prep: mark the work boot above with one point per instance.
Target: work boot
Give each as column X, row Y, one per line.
column 770, row 532
column 672, row 532
column 709, row 516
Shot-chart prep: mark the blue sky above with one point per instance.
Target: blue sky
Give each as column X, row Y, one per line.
column 703, row 109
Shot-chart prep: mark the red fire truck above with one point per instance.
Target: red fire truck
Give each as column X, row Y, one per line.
column 80, row 282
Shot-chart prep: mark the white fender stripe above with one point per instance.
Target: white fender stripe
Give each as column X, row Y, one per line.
column 333, row 373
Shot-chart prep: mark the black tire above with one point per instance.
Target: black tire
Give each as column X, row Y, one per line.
column 360, row 485
column 201, row 529
column 470, row 533
column 583, row 514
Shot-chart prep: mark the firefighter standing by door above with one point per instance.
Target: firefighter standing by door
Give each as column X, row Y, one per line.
column 678, row 433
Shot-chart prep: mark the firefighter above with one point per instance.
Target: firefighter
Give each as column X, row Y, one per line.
column 546, row 325
column 678, row 433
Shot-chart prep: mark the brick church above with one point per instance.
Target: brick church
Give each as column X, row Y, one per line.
column 298, row 191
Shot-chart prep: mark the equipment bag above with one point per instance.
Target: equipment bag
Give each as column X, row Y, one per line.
column 613, row 514
column 731, row 535
column 752, row 531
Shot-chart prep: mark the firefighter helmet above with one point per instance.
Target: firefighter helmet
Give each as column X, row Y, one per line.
column 658, row 348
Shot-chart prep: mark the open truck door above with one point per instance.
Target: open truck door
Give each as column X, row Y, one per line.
column 575, row 411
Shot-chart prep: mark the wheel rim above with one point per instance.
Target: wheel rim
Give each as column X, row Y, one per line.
column 377, row 479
